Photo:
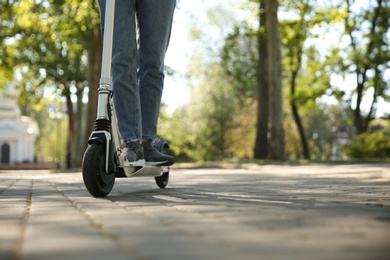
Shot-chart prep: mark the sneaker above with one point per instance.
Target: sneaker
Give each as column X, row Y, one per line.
column 154, row 157
column 134, row 154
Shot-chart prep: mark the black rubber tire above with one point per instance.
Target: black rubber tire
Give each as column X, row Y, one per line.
column 162, row 146
column 162, row 181
column 97, row 182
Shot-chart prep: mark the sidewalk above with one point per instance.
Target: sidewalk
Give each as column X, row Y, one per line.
column 261, row 212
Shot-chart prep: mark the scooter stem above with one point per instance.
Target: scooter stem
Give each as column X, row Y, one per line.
column 105, row 79
column 107, row 42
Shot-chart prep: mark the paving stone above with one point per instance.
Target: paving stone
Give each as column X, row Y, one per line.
column 254, row 212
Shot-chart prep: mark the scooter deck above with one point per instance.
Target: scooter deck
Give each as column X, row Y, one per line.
column 141, row 171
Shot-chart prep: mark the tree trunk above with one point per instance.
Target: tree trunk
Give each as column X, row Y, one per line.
column 71, row 125
column 78, row 149
column 94, row 69
column 276, row 149
column 301, row 131
column 359, row 121
column 261, row 144
column 295, row 113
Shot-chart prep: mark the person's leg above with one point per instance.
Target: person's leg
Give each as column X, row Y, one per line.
column 155, row 23
column 124, row 70
column 125, row 81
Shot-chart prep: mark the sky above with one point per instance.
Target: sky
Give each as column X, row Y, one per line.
column 176, row 89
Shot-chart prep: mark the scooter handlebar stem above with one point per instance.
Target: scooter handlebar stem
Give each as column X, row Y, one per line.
column 107, row 41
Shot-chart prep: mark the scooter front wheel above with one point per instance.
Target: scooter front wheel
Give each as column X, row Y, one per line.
column 96, row 180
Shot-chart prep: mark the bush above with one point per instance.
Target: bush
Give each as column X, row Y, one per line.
column 369, row 145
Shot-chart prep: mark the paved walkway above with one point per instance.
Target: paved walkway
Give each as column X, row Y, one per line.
column 261, row 212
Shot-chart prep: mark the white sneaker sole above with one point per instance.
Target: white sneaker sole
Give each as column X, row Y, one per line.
column 136, row 163
column 155, row 163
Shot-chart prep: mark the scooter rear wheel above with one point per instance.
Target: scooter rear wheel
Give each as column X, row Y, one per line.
column 96, row 180
column 162, row 181
column 162, row 146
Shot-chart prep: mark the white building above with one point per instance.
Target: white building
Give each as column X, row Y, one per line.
column 17, row 134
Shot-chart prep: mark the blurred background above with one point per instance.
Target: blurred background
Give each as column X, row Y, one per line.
column 244, row 83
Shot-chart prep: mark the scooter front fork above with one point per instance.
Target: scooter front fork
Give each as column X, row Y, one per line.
column 102, row 132
column 104, row 137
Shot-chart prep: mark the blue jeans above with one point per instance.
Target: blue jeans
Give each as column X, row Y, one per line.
column 138, row 63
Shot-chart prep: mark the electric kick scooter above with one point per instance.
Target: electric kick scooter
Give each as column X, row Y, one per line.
column 104, row 158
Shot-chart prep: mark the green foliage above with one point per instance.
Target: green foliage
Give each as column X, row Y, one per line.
column 45, row 44
column 240, row 136
column 219, row 120
column 369, row 145
column 363, row 52
column 199, row 131
column 50, row 145
column 175, row 129
column 212, row 130
column 327, row 127
column 240, row 58
column 7, row 19
column 210, row 109
column 51, row 38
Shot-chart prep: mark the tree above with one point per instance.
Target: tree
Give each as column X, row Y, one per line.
column 297, row 36
column 7, row 17
column 217, row 93
column 303, row 67
column 251, row 74
column 366, row 57
column 276, row 149
column 261, row 143
column 58, row 42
